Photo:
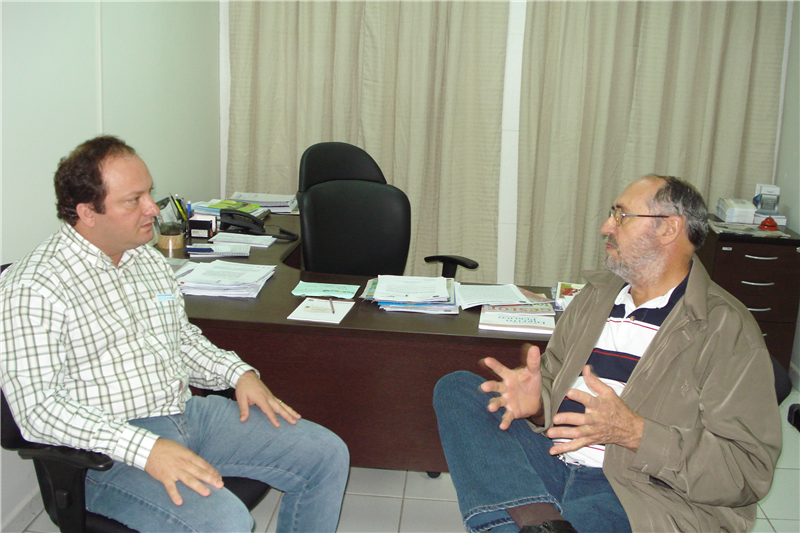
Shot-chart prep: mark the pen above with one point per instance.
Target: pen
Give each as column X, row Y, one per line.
column 332, row 309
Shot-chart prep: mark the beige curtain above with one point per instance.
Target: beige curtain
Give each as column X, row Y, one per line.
column 613, row 91
column 418, row 85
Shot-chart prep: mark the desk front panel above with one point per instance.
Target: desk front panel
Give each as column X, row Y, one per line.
column 374, row 391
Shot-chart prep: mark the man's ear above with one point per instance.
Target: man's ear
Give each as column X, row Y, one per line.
column 86, row 214
column 671, row 229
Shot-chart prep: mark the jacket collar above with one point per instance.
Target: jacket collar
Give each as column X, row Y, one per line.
column 695, row 302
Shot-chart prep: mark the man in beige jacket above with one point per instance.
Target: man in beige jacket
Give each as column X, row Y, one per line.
column 652, row 409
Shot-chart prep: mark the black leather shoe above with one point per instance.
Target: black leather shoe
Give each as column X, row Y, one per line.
column 554, row 526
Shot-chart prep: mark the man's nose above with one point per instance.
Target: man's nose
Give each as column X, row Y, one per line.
column 609, row 226
column 151, row 209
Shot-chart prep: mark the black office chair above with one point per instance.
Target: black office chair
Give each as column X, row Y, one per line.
column 61, row 472
column 351, row 221
column 329, row 161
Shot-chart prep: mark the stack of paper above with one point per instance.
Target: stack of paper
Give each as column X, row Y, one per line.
column 259, row 241
column 222, row 278
column 277, row 203
column 473, row 295
column 413, row 294
column 219, row 250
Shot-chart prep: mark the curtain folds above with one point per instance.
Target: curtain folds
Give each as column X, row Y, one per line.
column 612, row 91
column 418, row 85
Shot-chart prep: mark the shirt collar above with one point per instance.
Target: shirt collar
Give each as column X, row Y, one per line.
column 92, row 254
column 624, row 297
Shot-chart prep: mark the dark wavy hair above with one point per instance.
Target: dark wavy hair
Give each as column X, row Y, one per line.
column 679, row 197
column 79, row 178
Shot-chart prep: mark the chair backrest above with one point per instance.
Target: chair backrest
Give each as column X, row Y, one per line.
column 10, row 435
column 355, row 227
column 336, row 161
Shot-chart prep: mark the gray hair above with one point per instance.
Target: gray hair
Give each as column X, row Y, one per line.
column 679, row 197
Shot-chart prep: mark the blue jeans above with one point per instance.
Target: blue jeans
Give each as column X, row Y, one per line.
column 495, row 470
column 307, row 462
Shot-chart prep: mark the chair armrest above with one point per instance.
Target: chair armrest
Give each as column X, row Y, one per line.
column 69, row 456
column 451, row 262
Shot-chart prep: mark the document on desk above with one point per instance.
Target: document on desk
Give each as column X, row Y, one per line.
column 321, row 310
column 326, row 290
column 223, row 278
column 474, row 295
column 411, row 289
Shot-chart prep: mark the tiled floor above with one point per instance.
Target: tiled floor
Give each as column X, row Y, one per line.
column 394, row 501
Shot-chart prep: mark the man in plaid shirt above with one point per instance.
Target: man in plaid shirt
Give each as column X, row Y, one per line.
column 96, row 352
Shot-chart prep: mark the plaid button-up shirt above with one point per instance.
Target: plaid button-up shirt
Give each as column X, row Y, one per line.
column 86, row 346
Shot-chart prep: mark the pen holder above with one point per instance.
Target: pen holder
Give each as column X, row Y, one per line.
column 171, row 236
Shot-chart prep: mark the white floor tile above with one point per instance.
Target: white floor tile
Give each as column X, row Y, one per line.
column 430, row 516
column 786, row 526
column 790, row 455
column 42, row 524
column 782, row 501
column 266, row 512
column 370, row 514
column 421, row 486
column 762, row 526
column 376, row 482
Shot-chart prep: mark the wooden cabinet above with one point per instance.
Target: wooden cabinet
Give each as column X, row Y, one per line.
column 764, row 274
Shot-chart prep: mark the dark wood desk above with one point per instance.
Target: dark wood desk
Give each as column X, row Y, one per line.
column 369, row 379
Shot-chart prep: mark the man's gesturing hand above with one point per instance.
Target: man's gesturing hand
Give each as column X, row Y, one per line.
column 170, row 462
column 250, row 390
column 520, row 389
column 607, row 419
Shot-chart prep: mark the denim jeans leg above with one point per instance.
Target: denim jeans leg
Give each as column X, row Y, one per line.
column 134, row 498
column 494, row 470
column 306, row 461
column 309, row 463
column 590, row 504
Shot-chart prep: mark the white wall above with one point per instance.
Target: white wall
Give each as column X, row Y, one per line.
column 147, row 72
column 788, row 168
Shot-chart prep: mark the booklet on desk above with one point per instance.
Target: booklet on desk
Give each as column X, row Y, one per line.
column 499, row 318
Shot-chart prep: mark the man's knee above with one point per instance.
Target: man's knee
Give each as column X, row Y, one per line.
column 452, row 388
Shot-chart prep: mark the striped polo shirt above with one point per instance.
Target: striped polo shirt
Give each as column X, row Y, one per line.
column 625, row 337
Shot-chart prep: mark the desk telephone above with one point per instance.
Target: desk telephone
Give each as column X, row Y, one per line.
column 234, row 221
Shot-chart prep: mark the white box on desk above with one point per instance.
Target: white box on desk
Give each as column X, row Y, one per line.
column 735, row 210
column 779, row 219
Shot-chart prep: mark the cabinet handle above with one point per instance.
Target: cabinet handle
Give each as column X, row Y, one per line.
column 754, row 284
column 761, row 258
column 764, row 310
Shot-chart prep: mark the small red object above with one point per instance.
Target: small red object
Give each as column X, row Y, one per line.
column 769, row 224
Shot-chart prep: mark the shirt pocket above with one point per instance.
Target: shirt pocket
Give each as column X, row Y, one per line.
column 162, row 314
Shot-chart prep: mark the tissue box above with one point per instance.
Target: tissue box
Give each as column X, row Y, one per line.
column 736, row 210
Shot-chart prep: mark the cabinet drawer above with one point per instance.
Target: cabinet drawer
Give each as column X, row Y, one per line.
column 733, row 256
column 764, row 283
column 775, row 309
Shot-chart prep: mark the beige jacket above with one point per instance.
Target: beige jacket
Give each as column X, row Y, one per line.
column 706, row 389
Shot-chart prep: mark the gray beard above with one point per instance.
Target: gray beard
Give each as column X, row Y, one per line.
column 642, row 262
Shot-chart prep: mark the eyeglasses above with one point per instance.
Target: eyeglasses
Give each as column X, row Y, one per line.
column 619, row 215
